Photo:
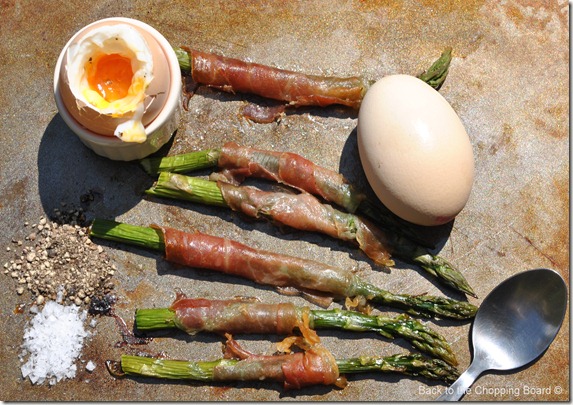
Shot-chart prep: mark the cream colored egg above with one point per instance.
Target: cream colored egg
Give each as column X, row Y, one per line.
column 415, row 151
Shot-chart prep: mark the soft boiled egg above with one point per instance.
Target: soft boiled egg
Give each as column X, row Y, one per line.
column 415, row 151
column 108, row 72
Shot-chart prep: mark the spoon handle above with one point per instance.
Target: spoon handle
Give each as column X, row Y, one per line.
column 460, row 387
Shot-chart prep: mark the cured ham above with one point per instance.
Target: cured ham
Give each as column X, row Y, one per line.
column 196, row 249
column 238, row 162
column 200, row 250
column 297, row 89
column 235, row 316
column 249, row 315
column 314, row 366
column 306, row 213
column 290, row 87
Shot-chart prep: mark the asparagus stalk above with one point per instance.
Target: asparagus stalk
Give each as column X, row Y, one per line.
column 420, row 305
column 207, row 192
column 420, row 336
column 434, row 76
column 423, row 305
column 410, row 364
column 183, row 163
column 184, row 60
column 207, row 371
column 300, row 211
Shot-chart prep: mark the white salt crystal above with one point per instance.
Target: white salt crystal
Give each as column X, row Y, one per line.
column 53, row 340
column 90, row 366
column 60, row 295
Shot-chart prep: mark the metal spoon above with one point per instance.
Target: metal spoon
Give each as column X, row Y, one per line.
column 514, row 325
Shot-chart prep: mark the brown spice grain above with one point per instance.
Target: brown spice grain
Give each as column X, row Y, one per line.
column 57, row 257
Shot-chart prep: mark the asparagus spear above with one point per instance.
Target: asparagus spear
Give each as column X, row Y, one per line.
column 434, row 76
column 209, row 371
column 277, row 270
column 420, row 336
column 299, row 211
column 197, row 190
column 292, row 88
column 232, row 314
column 183, row 163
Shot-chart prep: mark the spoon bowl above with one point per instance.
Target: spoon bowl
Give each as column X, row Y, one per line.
column 514, row 325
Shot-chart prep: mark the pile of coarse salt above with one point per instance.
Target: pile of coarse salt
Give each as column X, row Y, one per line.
column 52, row 343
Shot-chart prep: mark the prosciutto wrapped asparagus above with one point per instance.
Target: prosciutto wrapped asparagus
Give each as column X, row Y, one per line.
column 239, row 162
column 305, row 212
column 241, row 315
column 195, row 249
column 313, row 366
column 294, row 88
column 299, row 211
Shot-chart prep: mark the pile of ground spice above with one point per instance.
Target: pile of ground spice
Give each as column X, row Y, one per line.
column 58, row 255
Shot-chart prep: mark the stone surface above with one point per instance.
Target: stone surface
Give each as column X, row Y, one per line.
column 509, row 82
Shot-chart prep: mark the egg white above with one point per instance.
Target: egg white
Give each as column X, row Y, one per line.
column 126, row 41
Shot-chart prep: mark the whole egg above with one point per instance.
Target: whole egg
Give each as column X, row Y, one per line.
column 415, row 151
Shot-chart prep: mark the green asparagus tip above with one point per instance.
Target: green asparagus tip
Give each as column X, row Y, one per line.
column 409, row 364
column 446, row 273
column 435, row 76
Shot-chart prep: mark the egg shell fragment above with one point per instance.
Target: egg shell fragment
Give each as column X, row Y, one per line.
column 415, row 151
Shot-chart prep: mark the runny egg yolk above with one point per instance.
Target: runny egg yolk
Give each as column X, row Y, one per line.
column 110, row 75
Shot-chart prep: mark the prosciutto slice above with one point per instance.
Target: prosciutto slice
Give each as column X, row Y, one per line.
column 298, row 89
column 238, row 162
column 306, row 213
column 314, row 366
column 196, row 249
column 235, row 316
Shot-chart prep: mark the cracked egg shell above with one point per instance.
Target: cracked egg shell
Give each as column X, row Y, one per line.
column 127, row 116
column 415, row 151
column 160, row 120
